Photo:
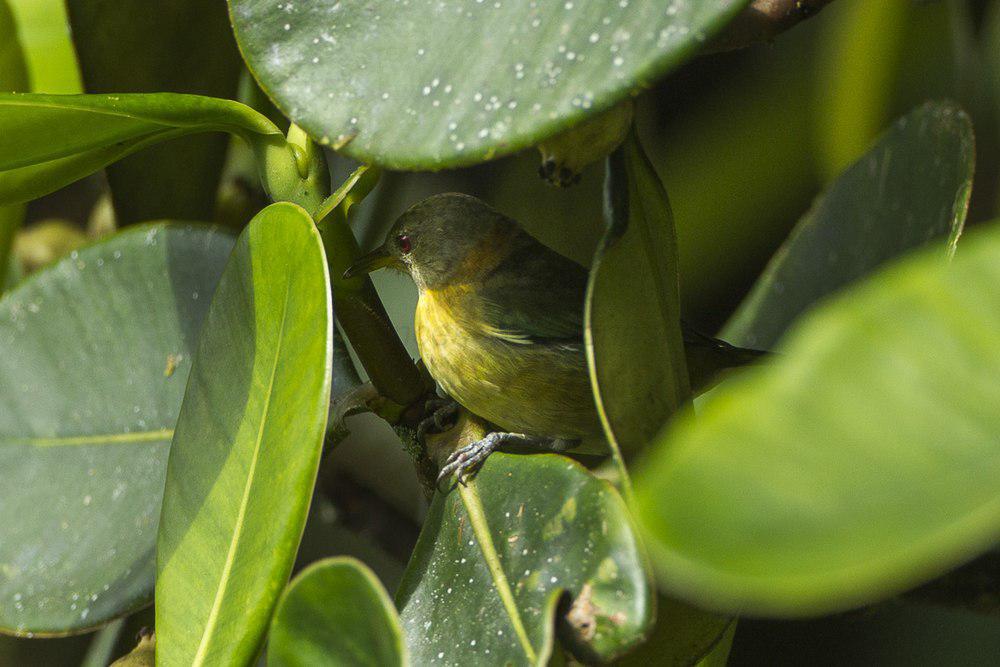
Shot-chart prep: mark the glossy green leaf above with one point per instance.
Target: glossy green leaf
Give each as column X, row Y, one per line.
column 247, row 444
column 494, row 558
column 13, row 76
column 632, row 317
column 51, row 140
column 135, row 48
column 97, row 351
column 429, row 84
column 913, row 186
column 336, row 612
column 861, row 461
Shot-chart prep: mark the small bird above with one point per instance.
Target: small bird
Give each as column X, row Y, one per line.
column 499, row 324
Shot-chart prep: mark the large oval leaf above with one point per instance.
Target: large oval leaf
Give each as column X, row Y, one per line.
column 862, row 461
column 495, row 557
column 246, row 449
column 911, row 187
column 336, row 612
column 430, row 84
column 97, row 349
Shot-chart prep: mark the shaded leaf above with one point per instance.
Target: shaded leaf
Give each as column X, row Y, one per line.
column 182, row 46
column 862, row 461
column 632, row 317
column 245, row 452
column 104, row 341
column 336, row 612
column 911, row 187
column 495, row 557
column 462, row 82
column 683, row 635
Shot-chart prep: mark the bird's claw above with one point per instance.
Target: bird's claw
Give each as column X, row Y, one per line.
column 441, row 418
column 465, row 461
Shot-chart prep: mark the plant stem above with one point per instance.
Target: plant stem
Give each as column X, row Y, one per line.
column 359, row 311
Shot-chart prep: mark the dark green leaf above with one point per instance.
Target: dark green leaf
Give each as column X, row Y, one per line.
column 495, row 557
column 912, row 187
column 247, row 445
column 427, row 84
column 182, row 46
column 336, row 613
column 632, row 316
column 862, row 461
column 103, row 341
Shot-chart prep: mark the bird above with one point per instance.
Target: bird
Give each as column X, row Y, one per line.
column 499, row 326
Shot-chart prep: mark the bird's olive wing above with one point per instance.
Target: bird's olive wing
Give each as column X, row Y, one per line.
column 535, row 296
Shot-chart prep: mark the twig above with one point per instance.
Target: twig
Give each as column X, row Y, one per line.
column 762, row 21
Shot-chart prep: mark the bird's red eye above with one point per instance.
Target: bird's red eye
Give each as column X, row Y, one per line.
column 404, row 243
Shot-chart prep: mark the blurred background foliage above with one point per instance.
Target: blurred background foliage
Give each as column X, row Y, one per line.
column 743, row 142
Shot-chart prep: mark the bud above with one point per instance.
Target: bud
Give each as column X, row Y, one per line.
column 566, row 154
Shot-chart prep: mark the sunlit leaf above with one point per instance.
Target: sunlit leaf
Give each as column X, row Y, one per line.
column 51, row 140
column 429, row 84
column 862, row 461
column 97, row 350
column 247, row 444
column 335, row 612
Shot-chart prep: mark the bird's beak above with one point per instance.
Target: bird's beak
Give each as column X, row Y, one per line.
column 378, row 258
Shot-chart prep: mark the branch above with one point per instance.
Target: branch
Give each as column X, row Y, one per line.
column 762, row 21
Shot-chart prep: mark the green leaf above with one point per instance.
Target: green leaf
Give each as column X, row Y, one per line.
column 682, row 636
column 13, row 76
column 633, row 300
column 51, row 140
column 862, row 461
column 336, row 612
column 103, row 341
column 134, row 49
column 48, row 46
column 246, row 449
column 494, row 558
column 459, row 83
column 911, row 187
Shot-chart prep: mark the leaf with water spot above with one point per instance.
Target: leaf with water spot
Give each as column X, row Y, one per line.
column 912, row 187
column 336, row 612
column 97, row 350
column 496, row 557
column 247, row 444
column 425, row 84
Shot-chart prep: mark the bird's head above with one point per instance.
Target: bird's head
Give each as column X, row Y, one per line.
column 446, row 239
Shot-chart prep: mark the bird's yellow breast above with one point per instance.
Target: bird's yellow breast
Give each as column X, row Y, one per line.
column 520, row 386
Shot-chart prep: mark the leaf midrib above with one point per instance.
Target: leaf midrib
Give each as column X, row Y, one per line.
column 213, row 615
column 162, row 435
column 480, row 526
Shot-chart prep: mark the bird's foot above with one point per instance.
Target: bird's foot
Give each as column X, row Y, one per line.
column 441, row 417
column 464, row 462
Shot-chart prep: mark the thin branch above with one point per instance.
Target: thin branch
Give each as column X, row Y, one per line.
column 762, row 21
